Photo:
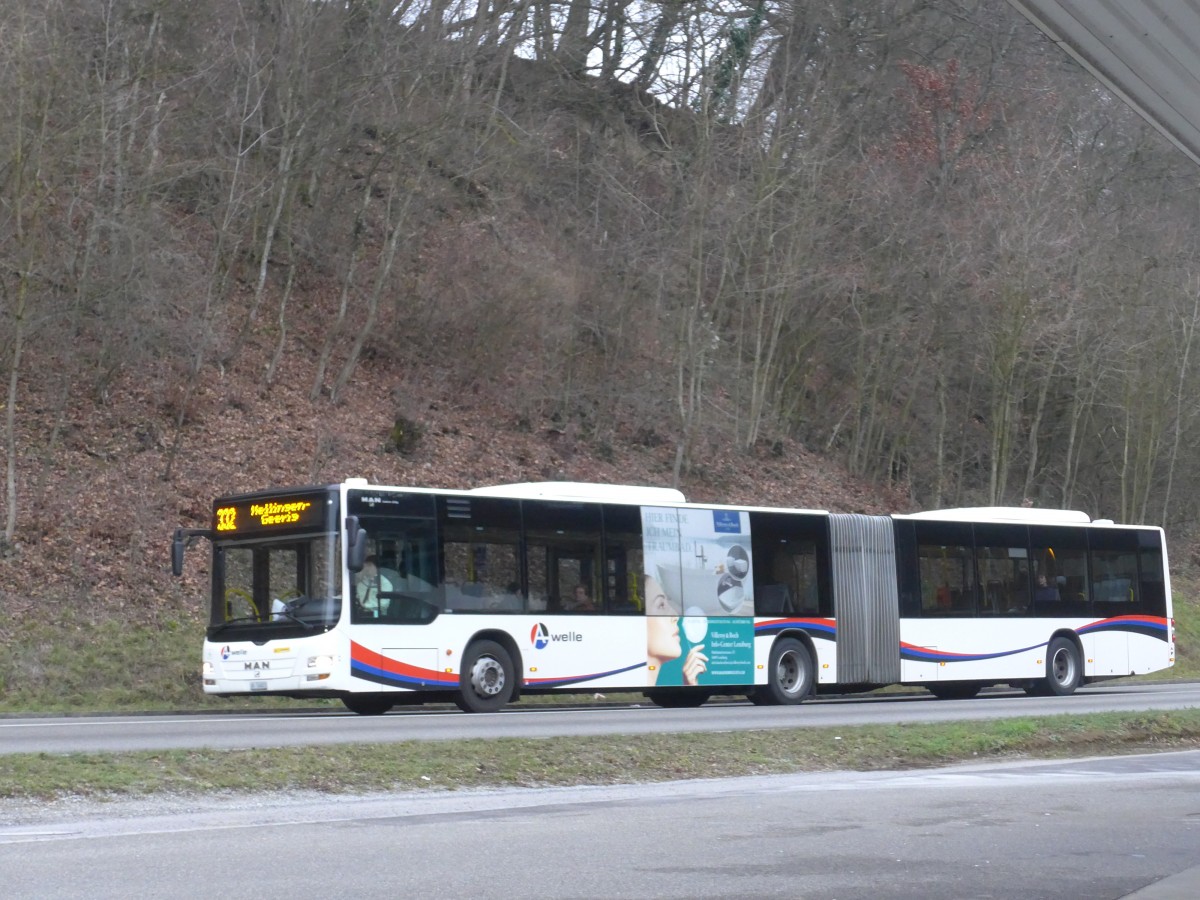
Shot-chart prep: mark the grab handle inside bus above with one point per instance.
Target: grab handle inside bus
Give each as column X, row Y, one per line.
column 356, row 544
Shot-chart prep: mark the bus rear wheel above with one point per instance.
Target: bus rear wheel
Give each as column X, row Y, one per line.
column 487, row 680
column 1063, row 671
column 368, row 704
column 789, row 675
column 954, row 690
column 683, row 698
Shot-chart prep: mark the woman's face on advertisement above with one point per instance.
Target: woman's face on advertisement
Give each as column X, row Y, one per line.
column 662, row 623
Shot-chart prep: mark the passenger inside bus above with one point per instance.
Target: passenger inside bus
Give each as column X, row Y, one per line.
column 1044, row 593
column 582, row 601
column 1018, row 601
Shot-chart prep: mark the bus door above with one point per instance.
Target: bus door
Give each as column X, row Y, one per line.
column 562, row 542
column 865, row 599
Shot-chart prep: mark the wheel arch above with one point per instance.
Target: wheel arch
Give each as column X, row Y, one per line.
column 784, row 686
column 1071, row 636
column 806, row 639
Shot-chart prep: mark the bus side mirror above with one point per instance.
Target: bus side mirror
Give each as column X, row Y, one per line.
column 183, row 536
column 356, row 544
column 177, row 548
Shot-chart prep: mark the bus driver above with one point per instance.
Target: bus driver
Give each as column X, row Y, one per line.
column 367, row 590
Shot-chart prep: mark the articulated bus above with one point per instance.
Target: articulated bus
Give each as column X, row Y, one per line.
column 382, row 596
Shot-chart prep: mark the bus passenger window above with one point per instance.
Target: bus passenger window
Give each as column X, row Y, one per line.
column 1116, row 577
column 1152, row 590
column 481, row 554
column 947, row 580
column 1003, row 579
column 1060, row 554
column 623, row 560
column 789, row 557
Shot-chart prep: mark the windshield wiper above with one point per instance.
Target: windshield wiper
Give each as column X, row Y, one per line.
column 217, row 629
column 286, row 613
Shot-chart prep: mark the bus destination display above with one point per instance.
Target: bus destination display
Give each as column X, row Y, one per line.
column 269, row 514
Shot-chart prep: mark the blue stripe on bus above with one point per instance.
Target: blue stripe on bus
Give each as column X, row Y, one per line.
column 1151, row 626
column 381, row 676
column 374, row 667
column 825, row 629
column 914, row 653
column 367, row 664
column 576, row 679
column 391, row 672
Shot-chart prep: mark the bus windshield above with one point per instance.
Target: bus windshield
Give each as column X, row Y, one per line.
column 277, row 587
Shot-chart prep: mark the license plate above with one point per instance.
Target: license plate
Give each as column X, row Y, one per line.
column 258, row 685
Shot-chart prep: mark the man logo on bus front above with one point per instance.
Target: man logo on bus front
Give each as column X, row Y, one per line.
column 540, row 636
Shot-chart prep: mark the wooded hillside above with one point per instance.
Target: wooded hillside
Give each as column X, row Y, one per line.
column 848, row 254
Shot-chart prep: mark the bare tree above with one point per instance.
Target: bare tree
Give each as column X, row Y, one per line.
column 25, row 290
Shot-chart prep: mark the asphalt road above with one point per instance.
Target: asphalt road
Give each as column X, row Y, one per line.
column 1096, row 828
column 70, row 734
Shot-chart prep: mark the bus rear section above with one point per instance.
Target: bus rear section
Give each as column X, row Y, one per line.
column 1043, row 600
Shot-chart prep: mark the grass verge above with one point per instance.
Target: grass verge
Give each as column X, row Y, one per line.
column 410, row 766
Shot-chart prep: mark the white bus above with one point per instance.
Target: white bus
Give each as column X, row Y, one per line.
column 382, row 596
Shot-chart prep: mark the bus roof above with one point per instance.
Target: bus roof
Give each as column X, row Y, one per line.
column 1004, row 514
column 582, row 490
column 586, row 491
column 632, row 494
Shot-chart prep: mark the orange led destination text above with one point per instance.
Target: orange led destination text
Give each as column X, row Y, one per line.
column 279, row 513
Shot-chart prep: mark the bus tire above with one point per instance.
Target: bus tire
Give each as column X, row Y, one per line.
column 954, row 690
column 487, row 679
column 1063, row 669
column 790, row 674
column 681, row 698
column 368, row 704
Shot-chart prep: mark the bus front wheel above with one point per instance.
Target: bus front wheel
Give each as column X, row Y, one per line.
column 789, row 675
column 487, row 679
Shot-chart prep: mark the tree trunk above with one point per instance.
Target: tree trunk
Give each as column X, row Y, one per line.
column 10, row 413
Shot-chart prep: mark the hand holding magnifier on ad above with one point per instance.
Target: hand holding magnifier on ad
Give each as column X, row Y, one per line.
column 695, row 624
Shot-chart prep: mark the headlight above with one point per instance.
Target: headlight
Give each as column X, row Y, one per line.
column 207, row 668
column 320, row 662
